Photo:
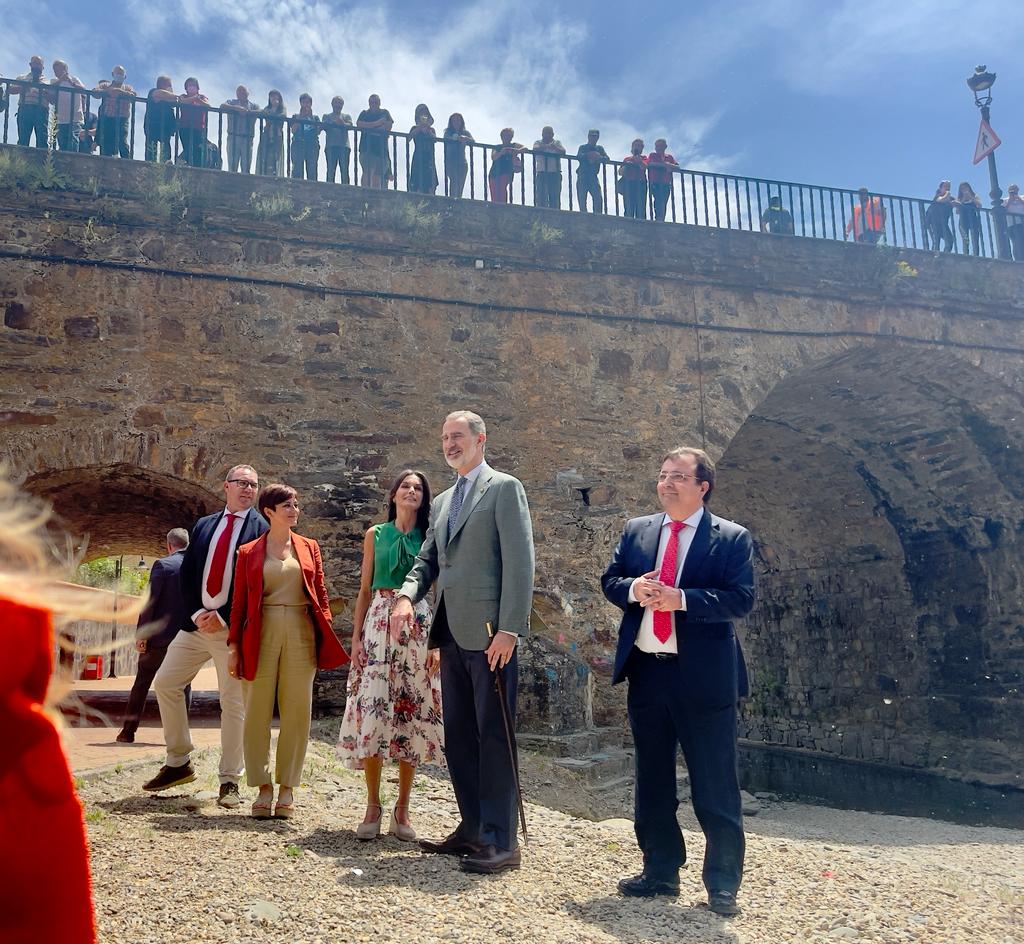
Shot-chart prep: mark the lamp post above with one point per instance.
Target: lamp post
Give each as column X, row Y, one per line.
column 981, row 85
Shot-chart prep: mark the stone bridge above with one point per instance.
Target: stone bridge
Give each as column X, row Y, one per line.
column 864, row 404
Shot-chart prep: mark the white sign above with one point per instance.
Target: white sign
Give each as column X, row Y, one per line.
column 988, row 141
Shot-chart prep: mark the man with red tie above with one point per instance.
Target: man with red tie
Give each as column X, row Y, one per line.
column 207, row 576
column 681, row 577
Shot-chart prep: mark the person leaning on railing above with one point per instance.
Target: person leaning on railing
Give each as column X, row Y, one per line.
column 66, row 91
column 423, row 171
column 270, row 153
column 506, row 162
column 776, row 218
column 968, row 206
column 337, row 127
column 939, row 217
column 160, row 122
column 632, row 184
column 1015, row 221
column 456, row 137
column 115, row 110
column 660, row 167
column 547, row 170
column 33, row 104
column 241, row 130
column 305, row 139
column 867, row 223
column 193, row 108
column 590, row 157
column 375, row 123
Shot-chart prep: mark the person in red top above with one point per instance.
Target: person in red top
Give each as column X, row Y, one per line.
column 44, row 872
column 192, row 113
column 280, row 634
column 633, row 182
column 660, row 167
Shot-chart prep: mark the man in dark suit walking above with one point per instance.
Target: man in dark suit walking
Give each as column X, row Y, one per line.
column 207, row 579
column 479, row 550
column 159, row 622
column 681, row 577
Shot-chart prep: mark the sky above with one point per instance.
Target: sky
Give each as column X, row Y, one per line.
column 831, row 92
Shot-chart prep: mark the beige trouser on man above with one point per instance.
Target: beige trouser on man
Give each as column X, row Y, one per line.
column 286, row 668
column 186, row 655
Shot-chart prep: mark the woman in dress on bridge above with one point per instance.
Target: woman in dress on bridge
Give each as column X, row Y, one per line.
column 393, row 710
column 270, row 153
column 280, row 634
column 423, row 172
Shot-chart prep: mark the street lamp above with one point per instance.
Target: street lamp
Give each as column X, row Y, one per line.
column 980, row 83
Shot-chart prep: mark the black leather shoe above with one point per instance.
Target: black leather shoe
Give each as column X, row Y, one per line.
column 646, row 885
column 723, row 903
column 126, row 735
column 490, row 860
column 170, row 777
column 453, row 845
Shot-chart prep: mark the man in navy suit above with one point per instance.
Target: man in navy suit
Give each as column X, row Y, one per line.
column 159, row 622
column 681, row 577
column 207, row 578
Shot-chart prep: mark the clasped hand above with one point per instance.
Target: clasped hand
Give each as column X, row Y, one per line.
column 652, row 594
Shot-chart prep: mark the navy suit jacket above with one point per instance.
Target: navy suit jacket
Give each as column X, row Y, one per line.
column 253, row 525
column 718, row 582
column 164, row 613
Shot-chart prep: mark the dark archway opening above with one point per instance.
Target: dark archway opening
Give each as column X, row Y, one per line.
column 885, row 491
column 121, row 509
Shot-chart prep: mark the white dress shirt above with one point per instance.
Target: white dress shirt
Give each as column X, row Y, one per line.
column 646, row 641
column 214, row 603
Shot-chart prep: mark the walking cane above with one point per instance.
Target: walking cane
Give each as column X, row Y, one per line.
column 510, row 737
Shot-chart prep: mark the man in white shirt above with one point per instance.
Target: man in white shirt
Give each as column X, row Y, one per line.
column 207, row 578
column 70, row 102
column 681, row 577
column 33, row 104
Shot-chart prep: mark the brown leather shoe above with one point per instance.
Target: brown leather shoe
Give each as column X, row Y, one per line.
column 453, row 845
column 490, row 860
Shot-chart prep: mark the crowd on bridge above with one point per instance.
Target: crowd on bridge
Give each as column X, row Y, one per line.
column 177, row 127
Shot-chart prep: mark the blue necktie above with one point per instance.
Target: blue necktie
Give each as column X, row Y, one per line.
column 456, row 506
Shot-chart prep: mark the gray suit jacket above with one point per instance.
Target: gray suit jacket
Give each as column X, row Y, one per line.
column 484, row 569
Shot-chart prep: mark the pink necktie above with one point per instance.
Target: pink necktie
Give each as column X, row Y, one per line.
column 663, row 619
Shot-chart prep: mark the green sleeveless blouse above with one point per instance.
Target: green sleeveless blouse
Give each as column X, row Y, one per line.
column 393, row 555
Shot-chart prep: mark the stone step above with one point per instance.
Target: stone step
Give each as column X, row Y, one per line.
column 575, row 743
column 600, row 766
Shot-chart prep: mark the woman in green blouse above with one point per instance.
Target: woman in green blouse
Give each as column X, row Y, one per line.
column 393, row 709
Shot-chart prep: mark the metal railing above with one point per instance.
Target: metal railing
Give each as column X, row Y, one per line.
column 410, row 162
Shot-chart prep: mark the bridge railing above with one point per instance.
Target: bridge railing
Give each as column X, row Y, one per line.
column 694, row 197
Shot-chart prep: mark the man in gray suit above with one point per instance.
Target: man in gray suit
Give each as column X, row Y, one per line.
column 479, row 549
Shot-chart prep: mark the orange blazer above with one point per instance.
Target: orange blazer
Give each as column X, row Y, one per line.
column 247, row 604
column 44, row 872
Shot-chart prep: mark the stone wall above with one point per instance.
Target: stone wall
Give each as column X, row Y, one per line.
column 161, row 324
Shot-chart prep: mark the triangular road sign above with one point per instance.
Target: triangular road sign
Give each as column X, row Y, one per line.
column 988, row 141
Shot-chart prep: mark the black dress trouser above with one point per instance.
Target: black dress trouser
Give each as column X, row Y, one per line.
column 662, row 717
column 476, row 747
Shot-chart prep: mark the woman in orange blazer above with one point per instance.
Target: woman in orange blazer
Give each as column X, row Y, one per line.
column 280, row 634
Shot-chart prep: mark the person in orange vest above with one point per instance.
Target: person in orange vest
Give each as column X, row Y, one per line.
column 868, row 221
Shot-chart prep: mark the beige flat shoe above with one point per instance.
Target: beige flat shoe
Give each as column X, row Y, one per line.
column 400, row 830
column 367, row 831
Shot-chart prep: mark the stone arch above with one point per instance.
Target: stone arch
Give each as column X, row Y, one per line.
column 884, row 487
column 121, row 508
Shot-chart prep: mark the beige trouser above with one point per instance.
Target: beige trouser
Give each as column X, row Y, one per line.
column 286, row 670
column 186, row 655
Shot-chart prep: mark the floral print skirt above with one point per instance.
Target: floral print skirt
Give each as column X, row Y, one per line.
column 393, row 707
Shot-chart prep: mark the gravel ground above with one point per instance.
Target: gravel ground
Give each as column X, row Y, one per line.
column 177, row 868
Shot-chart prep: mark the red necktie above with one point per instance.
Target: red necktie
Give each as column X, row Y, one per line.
column 663, row 619
column 220, row 557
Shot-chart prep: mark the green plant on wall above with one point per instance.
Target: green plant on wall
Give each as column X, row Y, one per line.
column 271, row 206
column 416, row 220
column 18, row 174
column 166, row 199
column 541, row 235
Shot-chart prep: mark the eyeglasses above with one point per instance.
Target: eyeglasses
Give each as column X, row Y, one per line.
column 675, row 477
column 244, row 483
